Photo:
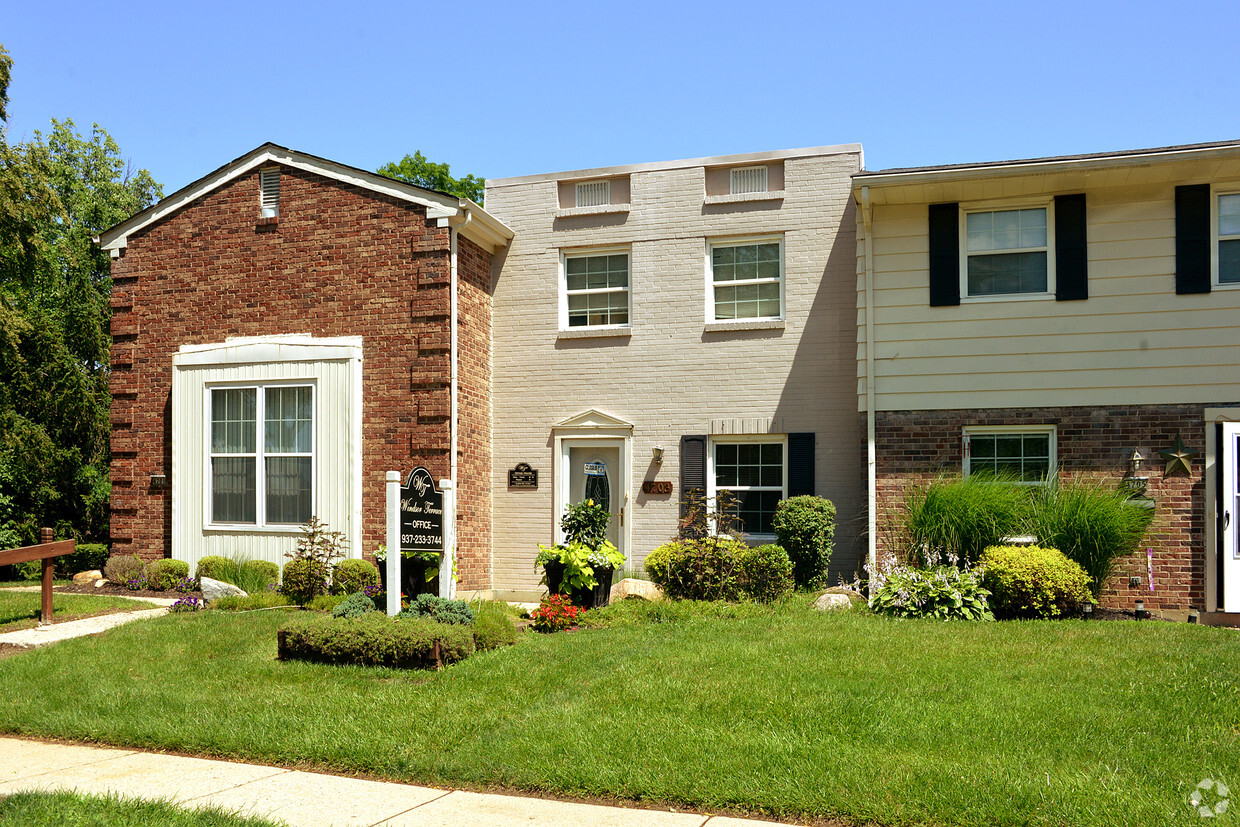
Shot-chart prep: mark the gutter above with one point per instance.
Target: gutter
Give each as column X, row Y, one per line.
column 871, row 473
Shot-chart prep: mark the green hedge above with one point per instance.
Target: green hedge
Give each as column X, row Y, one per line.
column 85, row 557
column 764, row 573
column 1030, row 581
column 352, row 575
column 375, row 640
column 805, row 527
column 162, row 575
column 215, row 567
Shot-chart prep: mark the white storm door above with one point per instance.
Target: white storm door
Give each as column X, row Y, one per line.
column 593, row 469
column 1229, row 514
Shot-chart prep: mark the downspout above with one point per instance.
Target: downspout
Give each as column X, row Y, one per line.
column 454, row 233
column 870, row 448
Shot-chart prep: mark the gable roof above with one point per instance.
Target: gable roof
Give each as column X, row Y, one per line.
column 476, row 224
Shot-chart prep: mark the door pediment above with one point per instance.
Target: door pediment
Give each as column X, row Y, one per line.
column 593, row 420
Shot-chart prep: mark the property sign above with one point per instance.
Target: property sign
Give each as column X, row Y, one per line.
column 523, row 476
column 421, row 513
column 596, row 469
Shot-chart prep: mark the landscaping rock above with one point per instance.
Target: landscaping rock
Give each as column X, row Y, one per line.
column 213, row 590
column 88, row 576
column 99, row 584
column 831, row 602
column 632, row 587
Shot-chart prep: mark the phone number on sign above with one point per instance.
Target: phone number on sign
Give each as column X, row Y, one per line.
column 435, row 540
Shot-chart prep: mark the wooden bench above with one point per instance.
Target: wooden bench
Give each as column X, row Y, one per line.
column 45, row 551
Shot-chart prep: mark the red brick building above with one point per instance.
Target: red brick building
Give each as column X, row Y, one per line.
column 283, row 335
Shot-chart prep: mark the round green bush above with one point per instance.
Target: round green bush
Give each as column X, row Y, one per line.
column 805, row 527
column 121, row 569
column 1030, row 581
column 355, row 605
column 305, row 579
column 704, row 569
column 162, row 575
column 268, row 571
column 764, row 573
column 439, row 608
column 658, row 562
column 353, row 575
column 215, row 567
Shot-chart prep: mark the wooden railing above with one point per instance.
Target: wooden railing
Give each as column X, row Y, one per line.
column 45, row 551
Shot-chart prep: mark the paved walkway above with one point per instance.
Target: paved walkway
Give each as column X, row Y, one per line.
column 302, row 798
column 53, row 632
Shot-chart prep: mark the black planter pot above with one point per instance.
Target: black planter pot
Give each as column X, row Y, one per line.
column 593, row 598
column 413, row 572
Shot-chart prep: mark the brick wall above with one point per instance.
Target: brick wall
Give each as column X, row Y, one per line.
column 474, row 416
column 1093, row 442
column 339, row 261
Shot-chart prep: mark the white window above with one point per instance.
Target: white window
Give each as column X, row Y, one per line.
column 269, row 193
column 1007, row 252
column 1227, row 235
column 262, row 455
column 593, row 194
column 746, row 279
column 596, row 289
column 754, row 471
column 745, row 180
column 1024, row 453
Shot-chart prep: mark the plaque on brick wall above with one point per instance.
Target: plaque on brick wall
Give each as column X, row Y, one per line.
column 523, row 476
column 421, row 513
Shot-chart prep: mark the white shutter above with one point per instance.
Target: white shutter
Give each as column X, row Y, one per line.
column 748, row 179
column 269, row 199
column 594, row 194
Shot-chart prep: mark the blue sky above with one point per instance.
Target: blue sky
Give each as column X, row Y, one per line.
column 502, row 89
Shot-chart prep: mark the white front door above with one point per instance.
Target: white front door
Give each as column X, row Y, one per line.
column 593, row 469
column 1229, row 515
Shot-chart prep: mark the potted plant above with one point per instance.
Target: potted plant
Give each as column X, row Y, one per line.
column 582, row 566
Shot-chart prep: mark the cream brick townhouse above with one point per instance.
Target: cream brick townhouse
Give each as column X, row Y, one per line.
column 674, row 326
column 1054, row 317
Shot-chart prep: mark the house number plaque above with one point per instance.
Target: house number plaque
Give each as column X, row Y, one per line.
column 656, row 487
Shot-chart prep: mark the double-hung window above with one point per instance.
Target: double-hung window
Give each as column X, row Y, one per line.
column 1007, row 252
column 1227, row 228
column 596, row 289
column 754, row 473
column 746, row 279
column 1023, row 454
column 262, row 455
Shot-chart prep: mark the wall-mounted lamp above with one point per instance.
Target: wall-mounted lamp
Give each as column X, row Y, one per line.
column 1134, row 463
column 1133, row 480
column 657, row 453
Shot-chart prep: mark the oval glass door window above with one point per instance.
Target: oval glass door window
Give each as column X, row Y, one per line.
column 598, row 488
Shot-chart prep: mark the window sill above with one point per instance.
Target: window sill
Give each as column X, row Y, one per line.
column 1008, row 297
column 247, row 528
column 594, row 332
column 745, row 324
column 744, row 198
column 604, row 209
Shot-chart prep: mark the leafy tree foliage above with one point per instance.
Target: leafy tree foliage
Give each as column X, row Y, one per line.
column 56, row 192
column 417, row 170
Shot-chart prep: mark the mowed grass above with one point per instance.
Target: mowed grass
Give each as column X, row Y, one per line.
column 21, row 610
column 787, row 713
column 77, row 810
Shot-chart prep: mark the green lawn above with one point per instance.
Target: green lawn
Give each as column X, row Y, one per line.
column 786, row 713
column 21, row 610
column 77, row 810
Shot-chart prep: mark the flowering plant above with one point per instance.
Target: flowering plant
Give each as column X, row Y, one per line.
column 137, row 583
column 186, row 604
column 555, row 613
column 939, row 590
column 185, row 584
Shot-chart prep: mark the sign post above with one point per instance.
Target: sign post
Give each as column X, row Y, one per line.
column 447, row 583
column 393, row 543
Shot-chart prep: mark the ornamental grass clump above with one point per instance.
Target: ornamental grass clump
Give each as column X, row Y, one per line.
column 1033, row 582
column 955, row 519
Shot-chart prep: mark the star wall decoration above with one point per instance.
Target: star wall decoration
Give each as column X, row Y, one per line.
column 1179, row 458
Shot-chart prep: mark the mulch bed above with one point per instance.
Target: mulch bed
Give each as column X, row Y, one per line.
column 122, row 591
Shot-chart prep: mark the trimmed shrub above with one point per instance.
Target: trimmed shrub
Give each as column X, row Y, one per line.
column 658, row 562
column 353, row 575
column 215, row 567
column 954, row 519
column 764, row 573
column 29, row 570
column 163, row 575
column 941, row 592
column 805, row 527
column 440, row 609
column 263, row 571
column 85, row 557
column 494, row 626
column 1031, row 581
column 375, row 640
column 121, row 570
column 326, row 603
column 305, row 578
column 1092, row 523
column 704, row 570
column 355, row 605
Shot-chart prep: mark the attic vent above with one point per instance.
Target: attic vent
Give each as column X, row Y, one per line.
column 594, row 194
column 748, row 179
column 269, row 199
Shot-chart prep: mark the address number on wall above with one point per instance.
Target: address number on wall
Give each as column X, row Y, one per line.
column 656, row 487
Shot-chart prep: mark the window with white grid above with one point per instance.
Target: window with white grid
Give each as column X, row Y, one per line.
column 746, row 279
column 596, row 289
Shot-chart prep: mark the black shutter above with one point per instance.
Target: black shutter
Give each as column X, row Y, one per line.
column 1192, row 239
column 800, row 465
column 1071, row 253
column 944, row 255
column 692, row 467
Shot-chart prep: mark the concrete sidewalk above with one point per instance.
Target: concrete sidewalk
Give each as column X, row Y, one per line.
column 57, row 631
column 301, row 798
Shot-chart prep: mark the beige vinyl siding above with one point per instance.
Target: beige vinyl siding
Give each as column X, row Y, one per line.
column 1132, row 341
column 334, row 458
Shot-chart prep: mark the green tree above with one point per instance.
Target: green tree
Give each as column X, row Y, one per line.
column 417, row 170
column 56, row 192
